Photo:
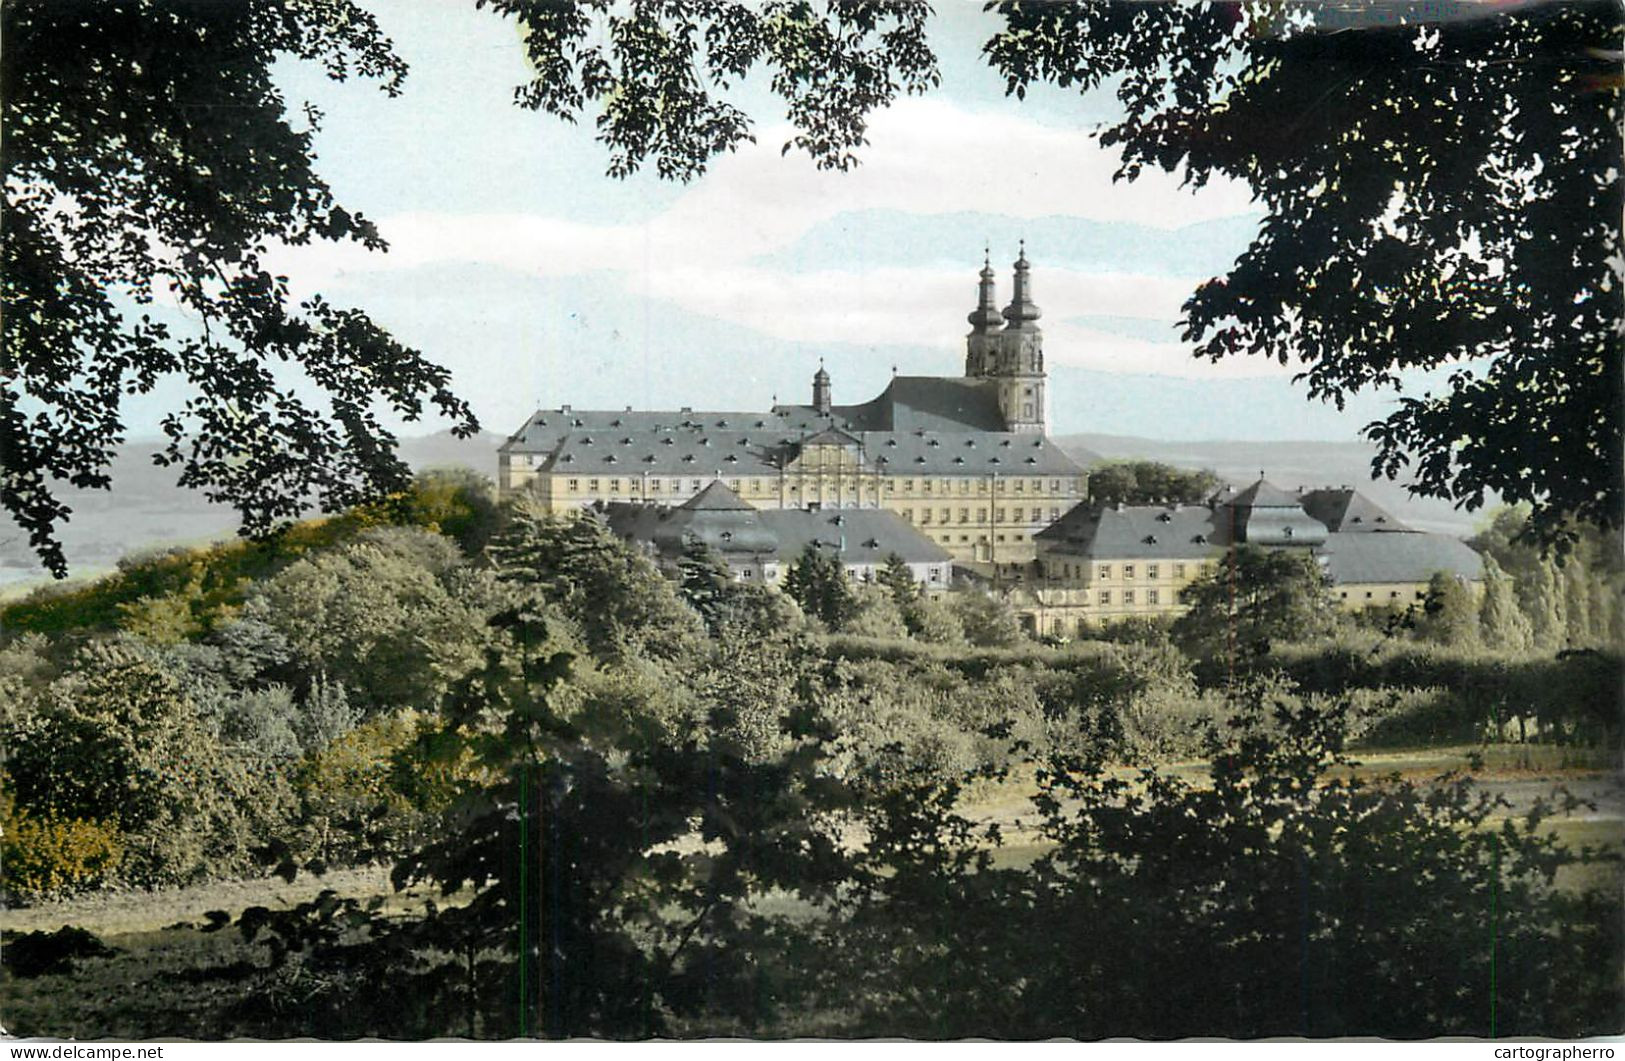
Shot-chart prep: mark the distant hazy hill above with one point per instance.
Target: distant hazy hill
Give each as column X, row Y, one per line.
column 1289, row 465
column 145, row 509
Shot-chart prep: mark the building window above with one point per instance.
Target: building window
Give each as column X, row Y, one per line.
column 1054, row 514
column 998, row 516
column 908, row 515
column 1055, row 486
column 981, row 515
column 592, row 486
column 1021, row 485
column 1153, row 597
column 1105, row 596
column 1105, row 571
column 1128, row 596
column 746, row 573
column 1179, row 570
column 925, row 516
column 573, row 485
column 1150, row 570
column 693, row 484
column 1128, row 570
column 614, row 486
column 925, row 485
column 964, row 486
column 947, row 515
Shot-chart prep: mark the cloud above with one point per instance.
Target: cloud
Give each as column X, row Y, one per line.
column 712, row 250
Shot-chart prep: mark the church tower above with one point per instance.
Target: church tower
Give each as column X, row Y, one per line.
column 1020, row 363
column 982, row 344
column 821, row 392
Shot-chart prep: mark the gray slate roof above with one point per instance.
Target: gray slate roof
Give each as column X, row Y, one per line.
column 864, row 535
column 707, row 444
column 1348, row 511
column 1106, row 532
column 1397, row 556
column 919, row 403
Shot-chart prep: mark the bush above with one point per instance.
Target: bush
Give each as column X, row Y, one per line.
column 47, row 857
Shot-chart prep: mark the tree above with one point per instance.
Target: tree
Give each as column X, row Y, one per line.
column 986, row 620
column 1148, row 482
column 1255, row 597
column 1449, row 612
column 579, row 912
column 1283, row 894
column 615, row 594
column 817, row 581
column 118, row 741
column 150, row 158
column 1441, row 191
column 704, row 582
column 394, row 615
column 1502, row 624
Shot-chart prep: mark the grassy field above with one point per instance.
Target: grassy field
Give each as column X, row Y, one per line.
column 170, row 979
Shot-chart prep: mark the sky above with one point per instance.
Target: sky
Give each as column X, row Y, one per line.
column 540, row 281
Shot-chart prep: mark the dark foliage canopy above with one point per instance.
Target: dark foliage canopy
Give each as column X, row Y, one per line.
column 1442, row 191
column 149, row 157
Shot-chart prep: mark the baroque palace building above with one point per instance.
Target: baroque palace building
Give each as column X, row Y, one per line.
column 963, row 460
column 959, row 473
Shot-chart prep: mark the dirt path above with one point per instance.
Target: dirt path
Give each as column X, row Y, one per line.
column 120, row 912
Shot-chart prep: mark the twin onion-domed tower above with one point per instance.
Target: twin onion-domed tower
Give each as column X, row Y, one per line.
column 1007, row 349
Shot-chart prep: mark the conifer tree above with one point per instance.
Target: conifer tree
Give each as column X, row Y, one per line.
column 817, row 582
column 1502, row 623
column 704, row 582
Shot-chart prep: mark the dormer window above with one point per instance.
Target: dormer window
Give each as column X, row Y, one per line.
column 627, row 441
column 727, row 536
column 891, row 442
column 1163, row 517
column 666, row 442
column 615, row 422
column 610, row 459
column 1005, row 443
column 1200, row 539
column 959, row 460
column 1150, row 539
column 934, row 443
column 688, row 458
column 1286, row 532
column 650, row 459
column 970, row 442
column 919, row 460
column 731, row 459
column 1031, row 460
column 587, row 441
column 993, row 460
column 722, row 423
